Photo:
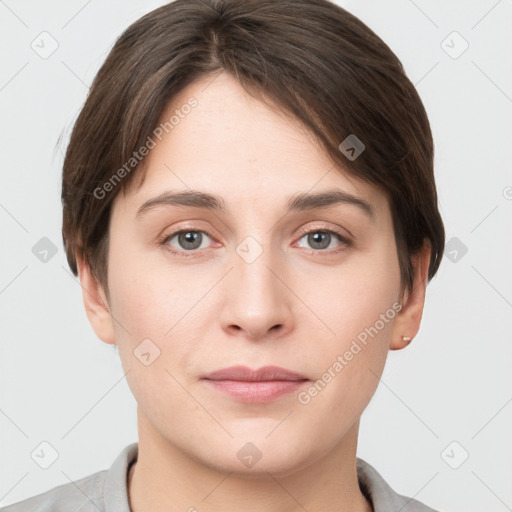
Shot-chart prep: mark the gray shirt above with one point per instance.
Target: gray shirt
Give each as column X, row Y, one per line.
column 106, row 491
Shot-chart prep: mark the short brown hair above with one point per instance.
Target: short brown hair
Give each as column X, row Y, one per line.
column 320, row 63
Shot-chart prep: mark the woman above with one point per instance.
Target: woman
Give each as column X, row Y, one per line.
column 249, row 202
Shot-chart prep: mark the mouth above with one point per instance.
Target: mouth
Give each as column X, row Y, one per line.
column 255, row 386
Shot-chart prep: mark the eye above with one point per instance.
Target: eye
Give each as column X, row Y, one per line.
column 188, row 240
column 321, row 239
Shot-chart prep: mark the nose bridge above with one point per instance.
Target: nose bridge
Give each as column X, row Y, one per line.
column 252, row 263
column 256, row 299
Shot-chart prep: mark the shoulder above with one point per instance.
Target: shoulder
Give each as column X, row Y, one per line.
column 380, row 493
column 84, row 494
column 104, row 490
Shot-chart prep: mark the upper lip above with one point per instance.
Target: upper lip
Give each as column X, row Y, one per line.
column 244, row 373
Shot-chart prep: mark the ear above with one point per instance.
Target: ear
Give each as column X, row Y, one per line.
column 95, row 302
column 407, row 322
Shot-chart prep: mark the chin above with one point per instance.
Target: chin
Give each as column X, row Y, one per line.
column 257, row 456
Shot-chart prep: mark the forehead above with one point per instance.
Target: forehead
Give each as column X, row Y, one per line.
column 241, row 148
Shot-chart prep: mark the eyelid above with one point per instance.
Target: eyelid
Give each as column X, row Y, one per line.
column 163, row 239
column 346, row 241
column 322, row 227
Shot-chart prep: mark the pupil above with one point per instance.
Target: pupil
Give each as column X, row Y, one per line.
column 189, row 237
column 317, row 239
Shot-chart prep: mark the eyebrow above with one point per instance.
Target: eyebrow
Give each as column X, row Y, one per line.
column 299, row 202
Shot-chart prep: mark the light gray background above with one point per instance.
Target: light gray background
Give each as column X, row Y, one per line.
column 61, row 384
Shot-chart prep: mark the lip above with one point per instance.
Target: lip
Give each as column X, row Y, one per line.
column 244, row 373
column 255, row 386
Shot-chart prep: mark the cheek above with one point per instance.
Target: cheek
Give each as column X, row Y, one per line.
column 156, row 314
column 148, row 296
column 353, row 296
column 358, row 303
column 150, row 326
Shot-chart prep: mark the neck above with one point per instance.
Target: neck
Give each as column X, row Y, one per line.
column 164, row 478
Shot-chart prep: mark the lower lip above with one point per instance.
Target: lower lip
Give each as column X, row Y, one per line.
column 256, row 392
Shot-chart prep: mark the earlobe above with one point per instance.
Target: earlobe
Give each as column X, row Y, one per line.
column 95, row 303
column 405, row 340
column 407, row 322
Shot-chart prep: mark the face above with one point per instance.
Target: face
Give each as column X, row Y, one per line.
column 312, row 290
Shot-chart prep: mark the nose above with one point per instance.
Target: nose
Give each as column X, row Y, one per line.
column 257, row 301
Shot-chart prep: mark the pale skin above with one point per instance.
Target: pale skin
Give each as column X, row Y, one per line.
column 298, row 305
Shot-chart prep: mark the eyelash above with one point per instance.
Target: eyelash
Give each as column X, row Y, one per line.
column 187, row 254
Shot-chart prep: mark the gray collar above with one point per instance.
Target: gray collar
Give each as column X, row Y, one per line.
column 382, row 497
